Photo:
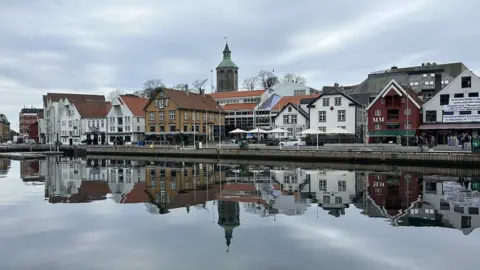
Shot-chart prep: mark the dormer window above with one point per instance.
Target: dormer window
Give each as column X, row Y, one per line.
column 289, row 109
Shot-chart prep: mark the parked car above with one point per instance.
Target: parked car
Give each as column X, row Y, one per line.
column 292, row 142
column 30, row 141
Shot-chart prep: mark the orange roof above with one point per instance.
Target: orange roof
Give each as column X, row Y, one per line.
column 292, row 99
column 239, row 106
column 92, row 109
column 135, row 104
column 235, row 94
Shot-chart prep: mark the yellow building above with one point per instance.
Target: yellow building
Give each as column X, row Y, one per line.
column 176, row 116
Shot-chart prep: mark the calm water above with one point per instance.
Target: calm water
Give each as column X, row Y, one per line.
column 98, row 214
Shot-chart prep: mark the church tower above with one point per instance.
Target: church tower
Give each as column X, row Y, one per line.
column 227, row 73
column 228, row 218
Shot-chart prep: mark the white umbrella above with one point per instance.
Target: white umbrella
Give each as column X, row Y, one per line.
column 278, row 130
column 339, row 131
column 237, row 131
column 257, row 130
column 312, row 131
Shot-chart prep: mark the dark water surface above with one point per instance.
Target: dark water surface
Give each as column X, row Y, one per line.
column 98, row 214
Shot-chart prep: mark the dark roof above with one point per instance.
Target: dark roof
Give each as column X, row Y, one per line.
column 307, row 100
column 31, row 110
column 3, row 119
column 363, row 99
column 335, row 91
column 298, row 108
column 55, row 97
column 92, row 109
column 190, row 101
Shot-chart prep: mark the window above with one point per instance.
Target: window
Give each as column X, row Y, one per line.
column 473, row 94
column 185, row 115
column 193, row 116
column 431, row 116
column 198, row 116
column 171, row 115
column 378, row 112
column 407, row 111
column 338, row 200
column 103, row 123
column 393, row 125
column 138, row 128
column 417, row 83
column 458, row 95
column 322, row 116
column 289, row 109
column 322, row 185
column 326, row 102
column 162, row 128
column 173, row 185
column 152, row 128
column 446, row 81
column 161, row 116
column 383, row 101
column 323, row 129
column 466, row 82
column 444, row 99
column 341, row 115
column 152, row 116
column 407, row 125
column 285, row 119
column 378, row 126
column 326, row 199
column 392, row 114
column 465, row 112
column 426, row 83
column 338, row 101
column 127, row 128
column 294, row 119
column 342, row 186
column 172, row 128
column 185, row 128
column 424, row 75
column 205, row 117
column 447, row 113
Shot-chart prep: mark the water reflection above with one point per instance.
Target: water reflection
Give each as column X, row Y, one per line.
column 4, row 167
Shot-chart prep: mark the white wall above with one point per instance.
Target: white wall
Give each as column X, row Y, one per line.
column 302, row 121
column 453, row 88
column 288, row 88
column 332, row 179
column 332, row 115
column 136, row 125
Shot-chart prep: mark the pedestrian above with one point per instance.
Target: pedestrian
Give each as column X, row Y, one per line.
column 420, row 143
column 466, row 140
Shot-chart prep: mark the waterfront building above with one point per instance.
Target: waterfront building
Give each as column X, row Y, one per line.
column 420, row 78
column 175, row 116
column 4, row 128
column 336, row 109
column 52, row 114
column 126, row 180
column 455, row 109
column 227, row 73
column 27, row 117
column 126, row 119
column 395, row 111
column 293, row 117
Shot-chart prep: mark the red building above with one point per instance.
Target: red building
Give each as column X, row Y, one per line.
column 396, row 111
column 33, row 131
column 28, row 116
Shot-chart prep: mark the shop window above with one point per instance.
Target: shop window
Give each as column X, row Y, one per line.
column 444, row 99
column 466, row 82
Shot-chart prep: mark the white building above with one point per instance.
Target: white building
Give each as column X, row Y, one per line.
column 334, row 109
column 123, row 176
column 454, row 109
column 126, row 119
column 52, row 113
column 293, row 89
column 293, row 118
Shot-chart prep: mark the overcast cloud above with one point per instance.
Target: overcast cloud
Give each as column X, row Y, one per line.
column 94, row 46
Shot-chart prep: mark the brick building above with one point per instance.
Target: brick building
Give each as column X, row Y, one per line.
column 395, row 111
column 4, row 128
column 26, row 117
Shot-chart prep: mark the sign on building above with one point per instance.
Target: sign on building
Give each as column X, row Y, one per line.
column 463, row 104
column 457, row 195
column 461, row 118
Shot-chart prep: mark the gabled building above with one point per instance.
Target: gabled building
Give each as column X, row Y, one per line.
column 293, row 118
column 395, row 111
column 93, row 123
column 455, row 109
column 126, row 119
column 175, row 116
column 336, row 109
column 4, row 128
column 26, row 117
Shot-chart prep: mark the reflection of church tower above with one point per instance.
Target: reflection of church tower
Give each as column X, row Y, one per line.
column 227, row 73
column 228, row 218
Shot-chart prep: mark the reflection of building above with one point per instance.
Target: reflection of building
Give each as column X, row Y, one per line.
column 33, row 170
column 4, row 167
column 228, row 218
column 126, row 179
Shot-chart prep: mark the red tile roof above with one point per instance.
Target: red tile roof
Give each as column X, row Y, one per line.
column 136, row 195
column 235, row 94
column 135, row 104
column 55, row 97
column 92, row 109
column 292, row 99
column 239, row 106
column 189, row 100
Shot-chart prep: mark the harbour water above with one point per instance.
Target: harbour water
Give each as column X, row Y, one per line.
column 63, row 213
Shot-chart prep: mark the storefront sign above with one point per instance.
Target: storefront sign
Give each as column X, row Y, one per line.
column 377, row 119
column 461, row 118
column 459, row 196
column 463, row 104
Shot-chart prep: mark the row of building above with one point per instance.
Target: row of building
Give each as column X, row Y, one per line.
column 437, row 99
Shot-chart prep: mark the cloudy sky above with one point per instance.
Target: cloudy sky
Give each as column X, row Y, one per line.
column 94, row 46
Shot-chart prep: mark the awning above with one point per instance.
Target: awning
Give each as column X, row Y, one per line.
column 449, row 126
column 391, row 133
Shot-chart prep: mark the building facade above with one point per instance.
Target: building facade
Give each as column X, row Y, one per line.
column 335, row 109
column 395, row 111
column 227, row 73
column 292, row 118
column 126, row 119
column 26, row 117
column 4, row 128
column 454, row 110
column 175, row 116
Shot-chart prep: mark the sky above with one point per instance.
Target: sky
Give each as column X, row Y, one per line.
column 94, row 46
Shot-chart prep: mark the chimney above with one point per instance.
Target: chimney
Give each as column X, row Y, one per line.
column 438, row 82
column 335, row 85
column 394, row 67
column 186, row 89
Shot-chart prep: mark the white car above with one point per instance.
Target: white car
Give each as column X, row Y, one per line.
column 292, row 142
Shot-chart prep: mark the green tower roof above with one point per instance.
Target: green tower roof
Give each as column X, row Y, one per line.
column 227, row 60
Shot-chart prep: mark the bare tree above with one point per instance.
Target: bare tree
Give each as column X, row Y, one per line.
column 149, row 88
column 291, row 77
column 250, row 83
column 179, row 86
column 267, row 79
column 198, row 85
column 114, row 94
